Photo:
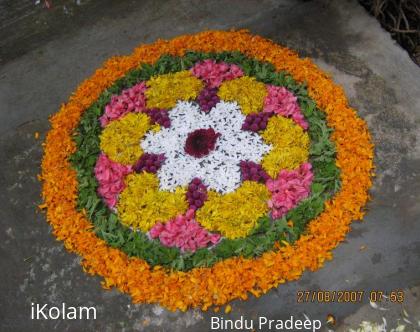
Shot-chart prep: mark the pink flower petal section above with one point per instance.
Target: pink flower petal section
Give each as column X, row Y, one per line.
column 110, row 176
column 130, row 100
column 183, row 232
column 281, row 101
column 289, row 189
column 214, row 73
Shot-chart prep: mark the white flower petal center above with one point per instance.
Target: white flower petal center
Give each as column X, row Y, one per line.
column 219, row 169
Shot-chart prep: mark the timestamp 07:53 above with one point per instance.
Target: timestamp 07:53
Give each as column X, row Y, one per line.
column 349, row 296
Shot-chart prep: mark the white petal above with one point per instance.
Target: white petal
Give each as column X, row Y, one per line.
column 220, row 169
column 227, row 117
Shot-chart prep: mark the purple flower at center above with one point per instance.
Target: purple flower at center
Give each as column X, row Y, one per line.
column 201, row 142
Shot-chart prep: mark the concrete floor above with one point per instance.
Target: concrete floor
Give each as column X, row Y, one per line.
column 42, row 65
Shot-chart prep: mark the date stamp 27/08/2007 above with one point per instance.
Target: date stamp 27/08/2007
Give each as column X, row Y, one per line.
column 349, row 296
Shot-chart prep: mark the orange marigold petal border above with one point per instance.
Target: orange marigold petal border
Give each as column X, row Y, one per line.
column 234, row 277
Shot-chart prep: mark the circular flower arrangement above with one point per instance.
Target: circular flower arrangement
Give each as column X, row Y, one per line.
column 200, row 169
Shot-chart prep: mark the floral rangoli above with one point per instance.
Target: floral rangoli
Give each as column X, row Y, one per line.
column 204, row 168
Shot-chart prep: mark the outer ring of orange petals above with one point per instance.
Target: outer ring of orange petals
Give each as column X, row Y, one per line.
column 234, row 277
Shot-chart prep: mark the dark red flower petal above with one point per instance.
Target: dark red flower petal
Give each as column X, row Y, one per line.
column 253, row 172
column 256, row 121
column 196, row 194
column 201, row 142
column 149, row 162
column 160, row 116
column 207, row 99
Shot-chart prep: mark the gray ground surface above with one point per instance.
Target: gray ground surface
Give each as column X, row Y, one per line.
column 43, row 63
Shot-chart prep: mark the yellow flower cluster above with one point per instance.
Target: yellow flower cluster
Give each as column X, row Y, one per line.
column 165, row 90
column 142, row 204
column 290, row 145
column 247, row 91
column 236, row 213
column 120, row 140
